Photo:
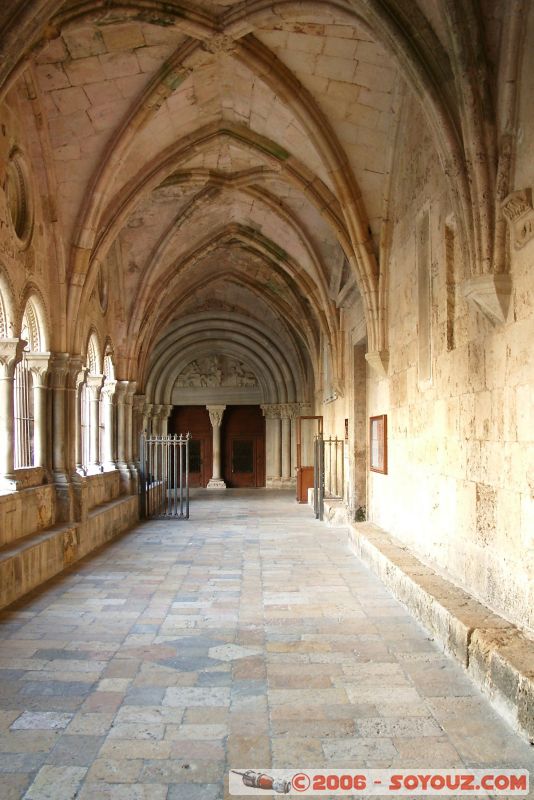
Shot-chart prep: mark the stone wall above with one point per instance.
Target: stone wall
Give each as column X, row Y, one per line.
column 459, row 488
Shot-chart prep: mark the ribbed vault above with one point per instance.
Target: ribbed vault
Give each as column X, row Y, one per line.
column 280, row 373
column 246, row 146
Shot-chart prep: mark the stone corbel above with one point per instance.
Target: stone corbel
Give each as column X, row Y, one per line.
column 518, row 211
column 491, row 294
column 378, row 360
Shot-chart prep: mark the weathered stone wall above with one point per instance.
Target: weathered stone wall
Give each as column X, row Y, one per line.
column 460, row 482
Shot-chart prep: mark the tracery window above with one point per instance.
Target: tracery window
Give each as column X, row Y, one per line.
column 89, row 409
column 23, row 388
column 107, row 415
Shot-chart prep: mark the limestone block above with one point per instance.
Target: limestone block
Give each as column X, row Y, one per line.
column 301, row 42
column 119, row 65
column 498, row 656
column 52, row 76
column 70, row 99
column 151, row 58
column 83, row 42
column 104, row 117
column 336, row 68
column 54, row 50
column 341, row 48
column 103, row 93
column 84, row 70
column 123, row 37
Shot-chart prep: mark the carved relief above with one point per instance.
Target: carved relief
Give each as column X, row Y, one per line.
column 216, row 371
column 518, row 210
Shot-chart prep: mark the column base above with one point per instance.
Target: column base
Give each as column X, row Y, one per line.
column 216, row 483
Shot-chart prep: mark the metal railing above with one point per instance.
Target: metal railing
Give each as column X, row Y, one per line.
column 329, row 471
column 164, row 479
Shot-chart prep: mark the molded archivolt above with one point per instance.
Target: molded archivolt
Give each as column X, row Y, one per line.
column 275, row 363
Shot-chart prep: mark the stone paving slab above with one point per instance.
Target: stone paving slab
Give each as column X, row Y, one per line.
column 249, row 636
column 497, row 656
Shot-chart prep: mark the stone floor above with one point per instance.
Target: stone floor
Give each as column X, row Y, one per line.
column 247, row 637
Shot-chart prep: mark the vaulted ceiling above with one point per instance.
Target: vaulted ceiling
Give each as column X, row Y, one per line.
column 231, row 155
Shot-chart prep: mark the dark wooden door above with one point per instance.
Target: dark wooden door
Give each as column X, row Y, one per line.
column 196, row 421
column 243, row 446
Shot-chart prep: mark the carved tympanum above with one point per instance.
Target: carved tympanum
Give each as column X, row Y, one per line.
column 216, row 371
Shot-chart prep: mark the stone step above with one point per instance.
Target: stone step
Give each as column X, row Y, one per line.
column 496, row 654
column 30, row 561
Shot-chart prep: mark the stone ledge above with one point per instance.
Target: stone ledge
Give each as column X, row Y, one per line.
column 497, row 655
column 34, row 559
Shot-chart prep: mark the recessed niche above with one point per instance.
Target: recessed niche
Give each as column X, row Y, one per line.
column 18, row 198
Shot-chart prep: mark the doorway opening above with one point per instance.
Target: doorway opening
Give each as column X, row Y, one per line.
column 196, row 421
column 242, row 444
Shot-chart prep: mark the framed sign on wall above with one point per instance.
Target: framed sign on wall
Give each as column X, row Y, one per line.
column 378, row 444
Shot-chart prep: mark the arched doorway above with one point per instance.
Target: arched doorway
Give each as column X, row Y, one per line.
column 196, row 421
column 243, row 446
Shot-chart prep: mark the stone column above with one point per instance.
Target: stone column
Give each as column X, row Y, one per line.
column 129, row 435
column 138, row 407
column 273, row 444
column 60, row 367
column 94, row 384
column 38, row 364
column 286, row 443
column 216, row 415
column 121, row 390
column 108, row 420
column 77, row 379
column 76, row 372
column 10, row 355
column 156, row 419
column 147, row 418
column 165, row 414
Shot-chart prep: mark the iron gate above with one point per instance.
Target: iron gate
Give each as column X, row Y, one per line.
column 328, row 471
column 164, row 484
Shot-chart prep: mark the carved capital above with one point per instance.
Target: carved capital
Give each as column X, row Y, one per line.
column 139, row 401
column 76, row 372
column 132, row 386
column 124, row 392
column 108, row 391
column 10, row 354
column 272, row 410
column 216, row 415
column 518, row 210
column 59, row 368
column 38, row 364
column 120, row 391
column 94, row 383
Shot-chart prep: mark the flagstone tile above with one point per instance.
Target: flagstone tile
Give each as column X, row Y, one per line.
column 256, row 639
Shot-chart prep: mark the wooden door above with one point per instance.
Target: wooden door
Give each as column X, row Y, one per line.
column 196, row 421
column 243, row 446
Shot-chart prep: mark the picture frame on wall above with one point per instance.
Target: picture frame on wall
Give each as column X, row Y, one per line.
column 378, row 444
